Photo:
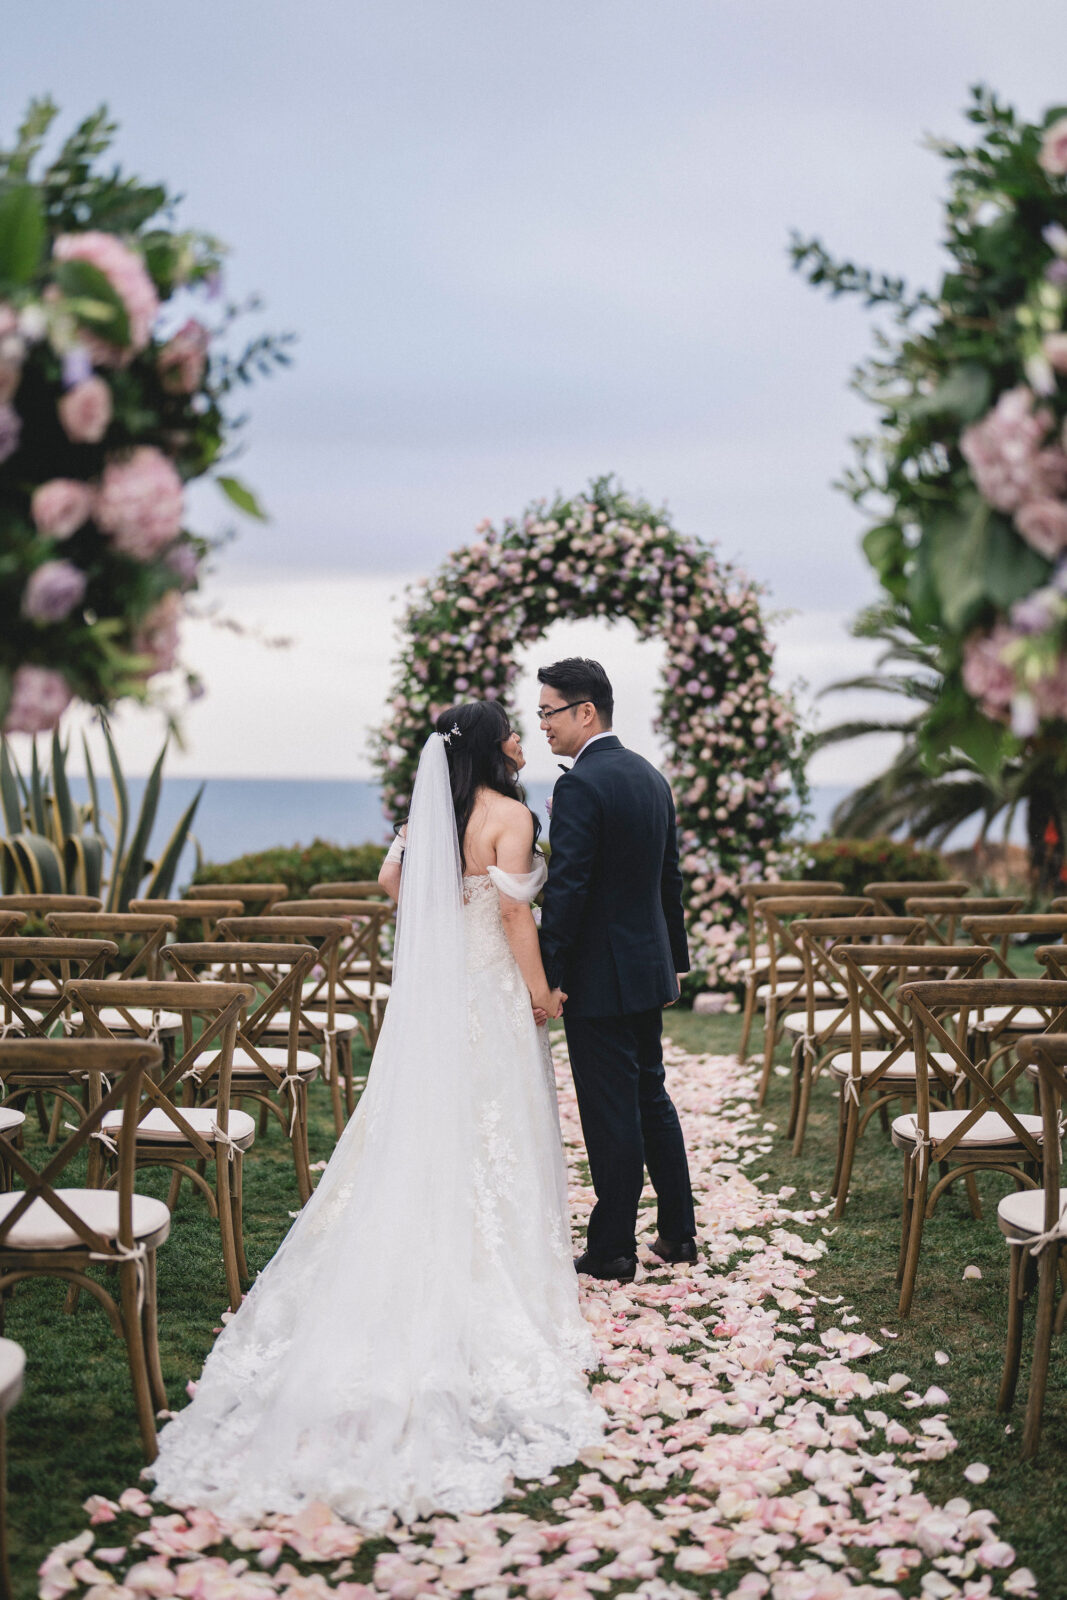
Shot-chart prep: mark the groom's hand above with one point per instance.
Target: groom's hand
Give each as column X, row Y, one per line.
column 556, row 999
column 678, row 976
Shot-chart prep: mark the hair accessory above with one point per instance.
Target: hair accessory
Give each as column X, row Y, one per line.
column 447, row 737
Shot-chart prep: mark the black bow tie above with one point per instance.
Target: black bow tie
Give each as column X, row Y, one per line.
column 561, row 767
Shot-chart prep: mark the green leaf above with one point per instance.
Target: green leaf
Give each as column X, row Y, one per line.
column 10, row 799
column 37, row 793
column 22, row 234
column 1011, row 569
column 159, row 885
column 93, row 300
column 122, row 816
column 957, row 543
column 987, row 743
column 128, row 873
column 63, row 803
column 242, row 497
column 964, row 393
column 94, row 798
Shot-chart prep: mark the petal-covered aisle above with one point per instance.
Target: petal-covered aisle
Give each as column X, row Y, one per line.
column 748, row 1453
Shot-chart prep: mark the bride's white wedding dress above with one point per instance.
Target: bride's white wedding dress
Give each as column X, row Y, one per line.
column 416, row 1342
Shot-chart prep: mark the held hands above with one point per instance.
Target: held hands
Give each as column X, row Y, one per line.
column 547, row 1003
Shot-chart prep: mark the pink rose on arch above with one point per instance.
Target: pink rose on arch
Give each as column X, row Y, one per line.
column 183, row 359
column 140, row 503
column 52, row 591
column 85, row 411
column 1053, row 154
column 127, row 275
column 39, row 697
column 61, row 506
column 158, row 636
column 1043, row 524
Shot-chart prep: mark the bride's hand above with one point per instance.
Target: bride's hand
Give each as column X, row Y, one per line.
column 540, row 1016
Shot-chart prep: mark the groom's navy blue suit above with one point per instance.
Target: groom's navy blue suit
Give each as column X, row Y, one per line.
column 613, row 938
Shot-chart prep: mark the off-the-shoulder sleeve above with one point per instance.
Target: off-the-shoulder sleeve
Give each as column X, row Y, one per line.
column 522, row 886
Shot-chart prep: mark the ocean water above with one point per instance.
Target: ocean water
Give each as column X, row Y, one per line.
column 238, row 815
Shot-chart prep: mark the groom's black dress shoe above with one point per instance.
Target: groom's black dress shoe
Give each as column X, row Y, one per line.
column 684, row 1250
column 622, row 1268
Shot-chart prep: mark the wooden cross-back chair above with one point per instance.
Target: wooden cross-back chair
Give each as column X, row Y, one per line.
column 48, row 1230
column 784, row 987
column 942, row 913
column 983, row 1132
column 1034, row 1222
column 262, row 896
column 171, row 1130
column 140, row 936
column 363, row 970
column 275, row 1076
column 208, row 913
column 10, row 921
column 998, row 1027
column 34, row 1004
column 889, row 897
column 360, row 889
column 823, row 1028
column 754, row 966
column 321, row 1025
column 872, row 1074
column 41, row 905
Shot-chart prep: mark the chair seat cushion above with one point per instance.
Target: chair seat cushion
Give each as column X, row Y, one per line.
column 276, row 1056
column 1026, row 1018
column 10, row 1119
column 822, row 991
column 41, row 1228
column 157, row 1127
column 797, row 1022
column 279, row 1023
column 165, row 1021
column 989, row 1132
column 1022, row 1215
column 762, row 960
column 903, row 1068
column 362, row 988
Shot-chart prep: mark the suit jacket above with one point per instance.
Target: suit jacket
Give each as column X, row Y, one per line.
column 612, row 929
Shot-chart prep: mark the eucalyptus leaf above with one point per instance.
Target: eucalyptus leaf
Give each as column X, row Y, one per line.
column 22, row 234
column 242, row 497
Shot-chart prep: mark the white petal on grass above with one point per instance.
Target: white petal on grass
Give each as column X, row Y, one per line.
column 942, row 1358
column 977, row 1472
column 972, row 1272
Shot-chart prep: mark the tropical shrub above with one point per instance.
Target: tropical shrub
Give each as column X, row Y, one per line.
column 299, row 867
column 52, row 846
column 109, row 405
column 855, row 862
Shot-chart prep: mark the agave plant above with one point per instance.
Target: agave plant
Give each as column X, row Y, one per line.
column 53, row 846
column 928, row 799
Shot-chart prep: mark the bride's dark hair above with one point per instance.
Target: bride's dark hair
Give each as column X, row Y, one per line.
column 476, row 759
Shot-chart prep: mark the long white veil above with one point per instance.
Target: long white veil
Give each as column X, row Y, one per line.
column 347, row 1369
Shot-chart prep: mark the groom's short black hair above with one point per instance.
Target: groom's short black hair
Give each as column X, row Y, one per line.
column 578, row 678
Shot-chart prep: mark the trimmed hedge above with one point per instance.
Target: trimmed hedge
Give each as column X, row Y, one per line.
column 855, row 862
column 299, row 868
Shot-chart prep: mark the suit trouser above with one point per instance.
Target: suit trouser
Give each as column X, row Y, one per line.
column 629, row 1123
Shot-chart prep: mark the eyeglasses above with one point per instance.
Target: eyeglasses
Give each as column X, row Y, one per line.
column 546, row 715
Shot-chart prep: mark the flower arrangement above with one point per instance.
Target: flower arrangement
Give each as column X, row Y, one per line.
column 966, row 478
column 735, row 752
column 110, row 403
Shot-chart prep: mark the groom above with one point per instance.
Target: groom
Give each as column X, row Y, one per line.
column 613, row 938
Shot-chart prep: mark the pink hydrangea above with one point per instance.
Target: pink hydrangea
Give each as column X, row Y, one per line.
column 52, row 591
column 158, row 637
column 1043, row 524
column 183, row 359
column 127, row 275
column 140, row 503
column 10, row 430
column 39, row 698
column 987, row 677
column 61, row 506
column 1004, row 453
column 85, row 411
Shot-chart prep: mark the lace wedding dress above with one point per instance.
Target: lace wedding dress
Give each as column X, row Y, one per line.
column 416, row 1343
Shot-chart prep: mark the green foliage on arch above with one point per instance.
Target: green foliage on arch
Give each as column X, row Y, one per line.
column 735, row 750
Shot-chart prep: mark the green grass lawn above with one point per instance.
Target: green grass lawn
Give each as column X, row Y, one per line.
column 74, row 1432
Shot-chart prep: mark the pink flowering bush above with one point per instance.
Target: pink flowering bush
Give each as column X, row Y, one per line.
column 735, row 751
column 966, row 483
column 106, row 413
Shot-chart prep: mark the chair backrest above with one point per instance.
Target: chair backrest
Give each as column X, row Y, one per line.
column 10, row 921
column 996, row 931
column 887, row 896
column 943, row 912
column 114, row 1071
column 818, row 939
column 217, row 1006
column 207, row 912
column 930, row 1002
column 276, row 972
column 39, row 905
column 360, row 956
column 137, row 934
column 755, row 889
column 876, row 974
column 249, row 894
column 45, row 966
column 361, row 889
column 324, row 933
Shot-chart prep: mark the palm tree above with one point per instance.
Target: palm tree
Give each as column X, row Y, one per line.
column 930, row 800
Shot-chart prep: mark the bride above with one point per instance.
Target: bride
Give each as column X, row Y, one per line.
column 417, row 1343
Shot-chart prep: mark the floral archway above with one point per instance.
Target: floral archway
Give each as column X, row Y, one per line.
column 734, row 746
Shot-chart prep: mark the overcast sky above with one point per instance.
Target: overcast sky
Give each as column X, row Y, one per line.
column 524, row 244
